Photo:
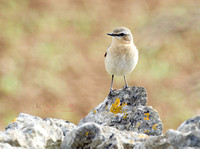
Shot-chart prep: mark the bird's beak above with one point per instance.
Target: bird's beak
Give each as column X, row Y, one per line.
column 110, row 34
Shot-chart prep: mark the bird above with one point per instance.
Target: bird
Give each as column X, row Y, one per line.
column 121, row 56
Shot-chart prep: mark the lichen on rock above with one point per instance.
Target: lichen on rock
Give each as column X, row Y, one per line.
column 124, row 109
column 121, row 121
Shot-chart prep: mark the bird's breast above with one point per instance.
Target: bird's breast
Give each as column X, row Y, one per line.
column 121, row 59
column 122, row 51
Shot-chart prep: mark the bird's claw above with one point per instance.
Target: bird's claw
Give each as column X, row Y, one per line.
column 125, row 87
column 111, row 91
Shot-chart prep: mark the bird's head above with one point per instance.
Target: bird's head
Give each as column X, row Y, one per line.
column 122, row 35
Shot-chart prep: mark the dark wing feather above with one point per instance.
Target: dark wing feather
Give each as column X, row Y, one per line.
column 105, row 54
column 106, row 51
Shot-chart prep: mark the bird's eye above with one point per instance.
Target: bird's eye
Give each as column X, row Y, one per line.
column 121, row 34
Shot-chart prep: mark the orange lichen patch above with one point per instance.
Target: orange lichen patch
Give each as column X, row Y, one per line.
column 142, row 136
column 125, row 116
column 146, row 118
column 95, row 111
column 116, row 108
column 87, row 133
column 155, row 126
column 138, row 124
column 131, row 141
column 106, row 107
column 124, row 104
column 14, row 120
column 146, row 131
column 124, row 110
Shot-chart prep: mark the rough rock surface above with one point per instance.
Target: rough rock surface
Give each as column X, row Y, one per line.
column 28, row 131
column 187, row 137
column 119, row 122
column 125, row 109
column 98, row 136
column 8, row 146
column 92, row 135
column 192, row 124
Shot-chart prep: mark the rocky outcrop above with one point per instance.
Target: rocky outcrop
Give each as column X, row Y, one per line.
column 187, row 136
column 126, row 109
column 28, row 131
column 121, row 121
column 99, row 136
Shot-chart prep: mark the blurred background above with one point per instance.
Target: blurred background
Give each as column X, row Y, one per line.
column 52, row 56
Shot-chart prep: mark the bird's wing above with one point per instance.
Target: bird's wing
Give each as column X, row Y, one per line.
column 105, row 54
column 106, row 51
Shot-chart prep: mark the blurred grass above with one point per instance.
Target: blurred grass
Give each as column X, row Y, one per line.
column 52, row 64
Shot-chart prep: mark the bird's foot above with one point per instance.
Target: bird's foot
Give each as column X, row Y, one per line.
column 125, row 87
column 110, row 93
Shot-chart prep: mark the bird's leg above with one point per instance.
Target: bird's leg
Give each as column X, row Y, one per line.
column 126, row 85
column 111, row 84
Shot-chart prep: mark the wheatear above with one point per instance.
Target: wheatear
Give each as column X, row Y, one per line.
column 121, row 56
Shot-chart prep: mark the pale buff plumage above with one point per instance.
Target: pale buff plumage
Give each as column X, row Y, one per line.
column 122, row 55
